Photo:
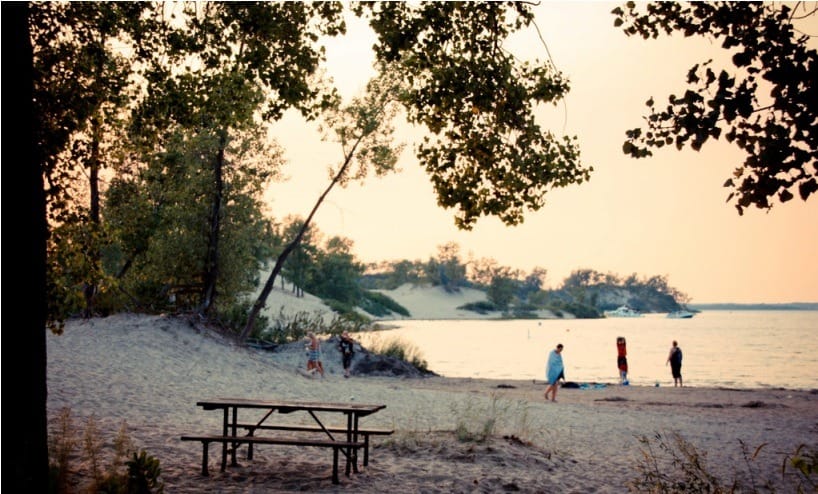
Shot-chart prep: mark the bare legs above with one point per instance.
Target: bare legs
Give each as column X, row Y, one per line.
column 552, row 388
column 314, row 366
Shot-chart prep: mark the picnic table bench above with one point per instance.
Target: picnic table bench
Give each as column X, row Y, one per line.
column 234, row 442
column 347, row 443
column 365, row 433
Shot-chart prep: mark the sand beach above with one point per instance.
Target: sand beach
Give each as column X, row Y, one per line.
column 145, row 373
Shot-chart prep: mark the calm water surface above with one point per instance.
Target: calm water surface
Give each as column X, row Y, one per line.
column 741, row 349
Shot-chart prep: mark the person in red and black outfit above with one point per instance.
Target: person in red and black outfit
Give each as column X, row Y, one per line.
column 622, row 360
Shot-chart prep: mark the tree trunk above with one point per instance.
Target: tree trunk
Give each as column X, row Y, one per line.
column 25, row 420
column 94, row 165
column 268, row 286
column 211, row 273
column 90, row 289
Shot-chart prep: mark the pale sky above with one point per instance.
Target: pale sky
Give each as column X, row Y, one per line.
column 665, row 215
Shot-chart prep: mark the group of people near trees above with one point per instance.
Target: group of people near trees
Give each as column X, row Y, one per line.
column 555, row 370
column 346, row 345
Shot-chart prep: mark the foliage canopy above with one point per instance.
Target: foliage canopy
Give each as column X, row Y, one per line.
column 766, row 104
column 486, row 154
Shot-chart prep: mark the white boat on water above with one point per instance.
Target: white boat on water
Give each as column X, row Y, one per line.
column 623, row 311
column 680, row 314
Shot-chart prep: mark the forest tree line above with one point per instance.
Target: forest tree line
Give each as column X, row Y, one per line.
column 329, row 270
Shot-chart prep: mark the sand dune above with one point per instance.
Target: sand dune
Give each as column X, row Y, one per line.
column 149, row 371
column 422, row 301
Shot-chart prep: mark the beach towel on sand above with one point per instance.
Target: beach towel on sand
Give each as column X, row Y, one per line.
column 554, row 367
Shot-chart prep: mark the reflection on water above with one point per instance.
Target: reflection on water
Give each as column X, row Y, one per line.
column 743, row 349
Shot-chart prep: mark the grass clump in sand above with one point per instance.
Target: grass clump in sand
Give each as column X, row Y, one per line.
column 478, row 421
column 140, row 474
column 674, row 465
column 804, row 464
column 62, row 443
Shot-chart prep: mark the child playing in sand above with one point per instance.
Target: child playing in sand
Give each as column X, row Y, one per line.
column 314, row 355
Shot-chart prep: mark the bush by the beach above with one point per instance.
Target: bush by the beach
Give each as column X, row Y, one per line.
column 378, row 304
column 400, row 350
column 580, row 311
column 287, row 328
column 235, row 318
column 481, row 307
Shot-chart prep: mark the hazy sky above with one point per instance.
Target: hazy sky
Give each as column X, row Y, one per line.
column 666, row 215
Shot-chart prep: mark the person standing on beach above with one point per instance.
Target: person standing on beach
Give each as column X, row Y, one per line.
column 346, row 345
column 314, row 363
column 622, row 360
column 674, row 358
column 554, row 369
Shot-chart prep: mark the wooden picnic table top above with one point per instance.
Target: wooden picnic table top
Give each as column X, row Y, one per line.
column 285, row 406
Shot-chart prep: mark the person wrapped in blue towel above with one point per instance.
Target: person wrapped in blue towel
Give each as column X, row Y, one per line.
column 554, row 370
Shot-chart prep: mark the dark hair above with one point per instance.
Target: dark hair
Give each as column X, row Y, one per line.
column 559, row 345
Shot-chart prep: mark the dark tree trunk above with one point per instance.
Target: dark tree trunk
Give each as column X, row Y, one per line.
column 94, row 165
column 261, row 301
column 25, row 419
column 211, row 273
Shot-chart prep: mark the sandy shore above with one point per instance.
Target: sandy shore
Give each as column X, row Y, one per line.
column 148, row 372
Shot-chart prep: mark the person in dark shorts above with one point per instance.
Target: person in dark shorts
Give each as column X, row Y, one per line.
column 347, row 347
column 674, row 358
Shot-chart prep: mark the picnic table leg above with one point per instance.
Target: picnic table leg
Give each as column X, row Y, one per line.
column 349, row 440
column 250, row 446
column 224, row 443
column 205, row 447
column 335, row 466
column 252, row 430
column 366, row 449
column 233, row 462
column 355, row 439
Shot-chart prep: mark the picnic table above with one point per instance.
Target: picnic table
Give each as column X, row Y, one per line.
column 346, row 438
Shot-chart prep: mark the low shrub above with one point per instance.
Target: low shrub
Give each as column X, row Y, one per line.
column 482, row 307
column 140, row 475
column 478, row 422
column 399, row 349
column 674, row 465
column 378, row 304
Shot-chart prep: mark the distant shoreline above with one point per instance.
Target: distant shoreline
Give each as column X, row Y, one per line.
column 762, row 306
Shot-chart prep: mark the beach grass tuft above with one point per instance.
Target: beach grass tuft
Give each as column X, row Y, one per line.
column 62, row 443
column 672, row 464
column 140, row 474
column 400, row 349
column 479, row 420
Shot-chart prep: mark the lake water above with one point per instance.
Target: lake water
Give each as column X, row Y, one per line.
column 737, row 349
